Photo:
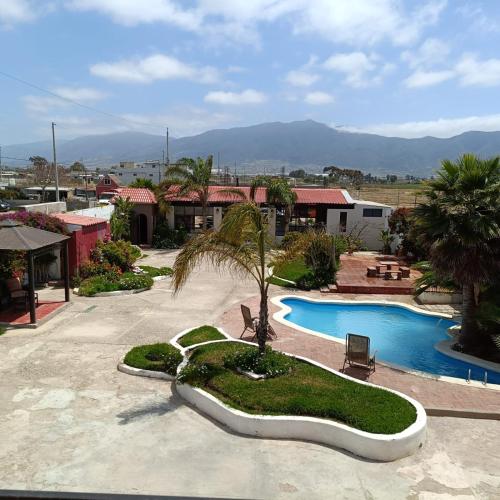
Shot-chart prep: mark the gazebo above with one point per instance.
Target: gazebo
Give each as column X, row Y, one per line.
column 35, row 242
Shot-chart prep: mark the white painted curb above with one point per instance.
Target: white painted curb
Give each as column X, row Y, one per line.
column 382, row 447
column 130, row 370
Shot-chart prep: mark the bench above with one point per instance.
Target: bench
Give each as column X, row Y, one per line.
column 405, row 271
column 371, row 272
column 392, row 275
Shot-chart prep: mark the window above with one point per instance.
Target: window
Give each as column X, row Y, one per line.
column 343, row 222
column 119, row 173
column 107, row 181
column 372, row 212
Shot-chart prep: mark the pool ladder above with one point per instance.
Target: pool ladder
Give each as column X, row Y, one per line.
column 485, row 380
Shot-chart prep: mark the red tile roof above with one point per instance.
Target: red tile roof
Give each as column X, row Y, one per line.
column 312, row 196
column 79, row 220
column 142, row 196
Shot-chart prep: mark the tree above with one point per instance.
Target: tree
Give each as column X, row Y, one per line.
column 192, row 177
column 460, row 226
column 143, row 183
column 278, row 193
column 386, row 238
column 121, row 218
column 42, row 173
column 298, row 174
column 77, row 166
column 240, row 244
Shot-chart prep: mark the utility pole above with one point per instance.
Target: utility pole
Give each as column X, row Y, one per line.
column 163, row 163
column 56, row 175
column 1, row 169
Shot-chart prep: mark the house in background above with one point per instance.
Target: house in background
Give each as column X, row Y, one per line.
column 332, row 209
column 107, row 184
column 145, row 213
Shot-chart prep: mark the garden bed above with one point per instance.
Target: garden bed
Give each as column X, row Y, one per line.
column 160, row 357
column 288, row 274
column 307, row 390
column 198, row 335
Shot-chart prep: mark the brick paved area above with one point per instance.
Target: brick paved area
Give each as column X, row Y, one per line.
column 351, row 277
column 430, row 392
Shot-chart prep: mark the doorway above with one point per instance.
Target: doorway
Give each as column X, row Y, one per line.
column 142, row 222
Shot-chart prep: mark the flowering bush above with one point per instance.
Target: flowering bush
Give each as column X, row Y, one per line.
column 118, row 253
column 271, row 364
column 91, row 268
column 135, row 281
column 195, row 374
column 37, row 220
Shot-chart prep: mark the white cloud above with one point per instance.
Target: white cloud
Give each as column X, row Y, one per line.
column 318, row 98
column 472, row 71
column 356, row 22
column 432, row 51
column 81, row 94
column 442, row 127
column 151, row 68
column 358, row 68
column 422, row 78
column 366, row 22
column 248, row 96
column 301, row 78
column 16, row 11
column 132, row 12
column 46, row 103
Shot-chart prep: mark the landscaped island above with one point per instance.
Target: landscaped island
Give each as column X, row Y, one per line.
column 305, row 390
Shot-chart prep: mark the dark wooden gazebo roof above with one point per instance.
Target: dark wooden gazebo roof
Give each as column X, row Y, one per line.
column 14, row 236
column 33, row 241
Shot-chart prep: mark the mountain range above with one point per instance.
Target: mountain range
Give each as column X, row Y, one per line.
column 269, row 146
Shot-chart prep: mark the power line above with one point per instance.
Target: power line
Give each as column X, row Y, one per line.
column 76, row 103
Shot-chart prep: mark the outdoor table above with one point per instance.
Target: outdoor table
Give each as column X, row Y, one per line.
column 389, row 264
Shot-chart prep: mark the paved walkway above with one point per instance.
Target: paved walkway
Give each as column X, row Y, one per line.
column 430, row 392
column 71, row 422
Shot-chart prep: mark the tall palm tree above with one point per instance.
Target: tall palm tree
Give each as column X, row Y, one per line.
column 278, row 193
column 460, row 227
column 192, row 177
column 240, row 245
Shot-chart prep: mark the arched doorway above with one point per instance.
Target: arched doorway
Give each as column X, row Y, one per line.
column 142, row 222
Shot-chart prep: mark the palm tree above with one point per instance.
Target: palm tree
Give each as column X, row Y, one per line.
column 460, row 227
column 278, row 193
column 120, row 220
column 192, row 176
column 240, row 244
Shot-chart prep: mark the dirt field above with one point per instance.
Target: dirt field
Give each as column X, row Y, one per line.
column 403, row 195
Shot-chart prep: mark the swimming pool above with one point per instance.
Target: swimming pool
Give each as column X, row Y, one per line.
column 400, row 336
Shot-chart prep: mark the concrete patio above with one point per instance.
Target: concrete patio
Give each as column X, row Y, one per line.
column 72, row 422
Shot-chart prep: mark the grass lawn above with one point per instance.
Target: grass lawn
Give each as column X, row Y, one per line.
column 291, row 271
column 201, row 334
column 154, row 357
column 157, row 271
column 306, row 391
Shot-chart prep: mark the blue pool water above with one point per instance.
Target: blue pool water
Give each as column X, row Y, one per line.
column 401, row 337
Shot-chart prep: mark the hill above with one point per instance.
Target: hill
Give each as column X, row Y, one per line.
column 307, row 144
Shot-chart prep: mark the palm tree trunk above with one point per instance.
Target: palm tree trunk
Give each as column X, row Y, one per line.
column 468, row 323
column 204, row 204
column 262, row 327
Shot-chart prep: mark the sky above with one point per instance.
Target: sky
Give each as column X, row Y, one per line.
column 391, row 67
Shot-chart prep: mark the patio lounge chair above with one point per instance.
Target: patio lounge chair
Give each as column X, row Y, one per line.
column 251, row 322
column 357, row 352
column 17, row 292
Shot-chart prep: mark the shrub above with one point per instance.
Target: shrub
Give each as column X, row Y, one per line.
column 168, row 238
column 37, row 220
column 271, row 364
column 130, row 281
column 118, row 253
column 92, row 268
column 97, row 284
column 289, row 239
column 195, row 374
column 155, row 357
column 309, row 281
